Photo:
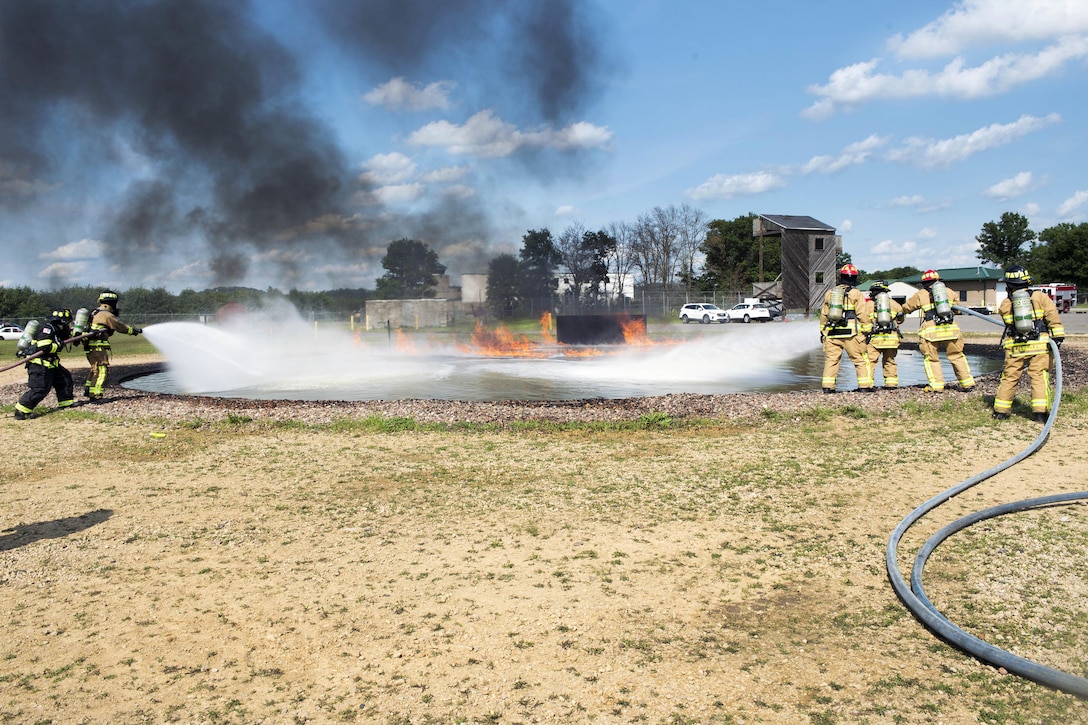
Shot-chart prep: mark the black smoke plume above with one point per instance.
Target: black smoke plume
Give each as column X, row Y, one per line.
column 234, row 161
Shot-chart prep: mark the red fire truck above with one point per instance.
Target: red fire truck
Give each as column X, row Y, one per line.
column 1064, row 295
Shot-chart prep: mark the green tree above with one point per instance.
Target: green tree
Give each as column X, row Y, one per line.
column 410, row 270
column 504, row 285
column 890, row 275
column 601, row 247
column 732, row 255
column 539, row 259
column 1002, row 243
column 1061, row 255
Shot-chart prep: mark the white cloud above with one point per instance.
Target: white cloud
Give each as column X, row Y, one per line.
column 564, row 210
column 1011, row 188
column 391, row 168
column 1073, row 204
column 846, row 226
column 976, row 22
column 927, row 233
column 891, row 248
column 859, row 83
column 445, row 175
column 913, row 200
column 484, row 135
column 392, row 194
column 919, row 203
column 14, row 181
column 933, row 153
column 400, row 95
column 722, row 186
column 852, row 155
column 197, row 270
column 83, row 249
column 458, row 191
column 1031, row 209
column 64, row 270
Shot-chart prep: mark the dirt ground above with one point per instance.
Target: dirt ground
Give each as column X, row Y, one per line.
column 246, row 571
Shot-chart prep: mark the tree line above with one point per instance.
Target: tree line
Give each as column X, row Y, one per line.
column 672, row 246
column 23, row 303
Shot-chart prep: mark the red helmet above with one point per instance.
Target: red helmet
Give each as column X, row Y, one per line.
column 848, row 275
column 930, row 275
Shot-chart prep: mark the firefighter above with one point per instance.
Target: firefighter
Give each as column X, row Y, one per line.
column 1031, row 320
column 44, row 372
column 937, row 331
column 844, row 323
column 104, row 323
column 885, row 314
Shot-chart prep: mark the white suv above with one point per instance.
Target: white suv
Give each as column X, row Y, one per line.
column 703, row 313
column 747, row 311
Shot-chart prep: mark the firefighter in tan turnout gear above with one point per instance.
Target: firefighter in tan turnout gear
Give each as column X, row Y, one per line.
column 939, row 330
column 104, row 323
column 885, row 314
column 1031, row 320
column 844, row 323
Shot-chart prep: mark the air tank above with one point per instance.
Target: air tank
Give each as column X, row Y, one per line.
column 883, row 309
column 81, row 322
column 941, row 305
column 26, row 341
column 1023, row 314
column 834, row 304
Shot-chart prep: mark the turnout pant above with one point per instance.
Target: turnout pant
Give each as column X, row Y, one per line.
column 856, row 350
column 95, row 384
column 40, row 380
column 953, row 350
column 889, row 368
column 1038, row 367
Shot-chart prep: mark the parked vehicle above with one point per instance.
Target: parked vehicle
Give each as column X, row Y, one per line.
column 748, row 311
column 702, row 312
column 10, row 332
column 1064, row 295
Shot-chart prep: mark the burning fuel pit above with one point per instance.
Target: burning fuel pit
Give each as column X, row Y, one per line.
column 494, row 365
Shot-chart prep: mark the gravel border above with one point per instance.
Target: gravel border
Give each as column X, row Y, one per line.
column 127, row 403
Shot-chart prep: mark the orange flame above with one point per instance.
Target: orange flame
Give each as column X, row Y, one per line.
column 500, row 342
column 405, row 343
column 634, row 331
column 546, row 328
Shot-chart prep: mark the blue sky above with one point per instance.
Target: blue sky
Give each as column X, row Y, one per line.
column 464, row 123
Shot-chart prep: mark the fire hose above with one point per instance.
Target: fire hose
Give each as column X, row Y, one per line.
column 913, row 595
column 39, row 353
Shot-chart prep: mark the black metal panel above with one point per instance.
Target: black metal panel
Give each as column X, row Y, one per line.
column 595, row 329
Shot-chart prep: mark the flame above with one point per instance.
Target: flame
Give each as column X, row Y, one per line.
column 546, row 328
column 634, row 331
column 500, row 342
column 405, row 343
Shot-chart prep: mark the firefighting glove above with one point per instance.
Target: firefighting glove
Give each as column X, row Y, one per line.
column 1058, row 341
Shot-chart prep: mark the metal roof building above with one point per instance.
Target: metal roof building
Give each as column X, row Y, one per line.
column 809, row 251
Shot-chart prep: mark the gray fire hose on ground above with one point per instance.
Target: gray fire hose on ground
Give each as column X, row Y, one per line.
column 914, row 597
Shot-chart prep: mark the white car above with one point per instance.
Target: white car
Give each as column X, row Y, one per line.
column 702, row 312
column 10, row 332
column 747, row 311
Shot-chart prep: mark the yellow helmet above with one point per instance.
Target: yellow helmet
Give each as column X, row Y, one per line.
column 1017, row 277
